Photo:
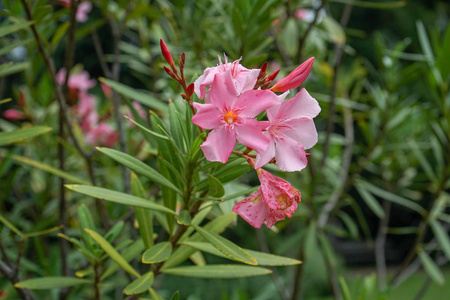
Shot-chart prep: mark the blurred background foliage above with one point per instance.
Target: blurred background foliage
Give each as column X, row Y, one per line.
column 374, row 217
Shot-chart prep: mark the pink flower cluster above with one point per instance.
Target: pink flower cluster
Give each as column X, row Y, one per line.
column 83, row 9
column 231, row 105
column 97, row 132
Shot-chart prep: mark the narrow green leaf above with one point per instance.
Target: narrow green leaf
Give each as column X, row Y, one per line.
column 130, row 253
column 175, row 128
column 19, row 135
column 431, row 268
column 155, row 295
column 175, row 296
column 142, row 97
column 60, row 32
column 10, row 226
column 155, row 134
column 370, row 200
column 86, row 221
column 215, row 187
column 112, row 252
column 45, row 283
column 117, row 197
column 226, row 247
column 426, row 166
column 334, row 29
column 184, row 218
column 5, row 101
column 144, row 216
column 8, row 48
column 112, row 234
column 4, row 30
column 42, row 232
column 218, row 271
column 157, row 253
column 345, row 290
column 12, row 68
column 49, row 169
column 442, row 237
column 138, row 166
column 139, row 285
column 262, row 259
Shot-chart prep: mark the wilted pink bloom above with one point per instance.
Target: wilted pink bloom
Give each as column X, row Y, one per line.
column 291, row 131
column 83, row 9
column 102, row 135
column 13, row 114
column 106, row 90
column 244, row 79
column 80, row 81
column 275, row 200
column 231, row 116
column 295, row 78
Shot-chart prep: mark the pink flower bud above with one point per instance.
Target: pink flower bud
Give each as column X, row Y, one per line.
column 273, row 75
column 165, row 52
column 295, row 78
column 13, row 115
column 190, row 90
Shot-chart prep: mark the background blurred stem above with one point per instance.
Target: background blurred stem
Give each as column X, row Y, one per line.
column 380, row 244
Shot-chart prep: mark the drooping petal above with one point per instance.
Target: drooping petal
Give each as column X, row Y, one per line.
column 253, row 102
column 302, row 105
column 266, row 157
column 223, row 90
column 276, row 215
column 250, row 134
column 302, row 130
column 207, row 116
column 289, row 154
column 248, row 82
column 219, row 144
column 203, row 81
column 252, row 209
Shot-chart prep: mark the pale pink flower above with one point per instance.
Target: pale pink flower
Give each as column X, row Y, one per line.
column 244, row 79
column 83, row 9
column 89, row 121
column 295, row 78
column 102, row 135
column 291, row 131
column 80, row 81
column 106, row 90
column 231, row 116
column 13, row 114
column 306, row 15
column 275, row 200
column 86, row 104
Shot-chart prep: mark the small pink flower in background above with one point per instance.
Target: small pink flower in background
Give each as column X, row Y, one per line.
column 13, row 114
column 244, row 79
column 231, row 116
column 106, row 90
column 89, row 121
column 79, row 82
column 102, row 135
column 83, row 9
column 295, row 78
column 138, row 107
column 275, row 200
column 306, row 15
column 86, row 104
column 291, row 130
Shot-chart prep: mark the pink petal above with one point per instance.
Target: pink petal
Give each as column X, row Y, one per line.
column 203, row 81
column 249, row 133
column 223, row 91
column 302, row 130
column 295, row 78
column 278, row 214
column 252, row 209
column 290, row 155
column 254, row 102
column 219, row 144
column 83, row 9
column 302, row 105
column 207, row 116
column 272, row 112
column 249, row 81
column 265, row 157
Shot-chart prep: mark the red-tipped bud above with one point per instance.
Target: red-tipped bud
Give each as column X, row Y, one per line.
column 273, row 75
column 295, row 78
column 183, row 96
column 263, row 68
column 308, row 154
column 171, row 73
column 190, row 90
column 165, row 52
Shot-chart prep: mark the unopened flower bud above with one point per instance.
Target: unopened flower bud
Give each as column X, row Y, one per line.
column 190, row 90
column 295, row 78
column 165, row 52
column 273, row 75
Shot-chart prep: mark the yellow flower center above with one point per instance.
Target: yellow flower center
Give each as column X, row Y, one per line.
column 230, row 117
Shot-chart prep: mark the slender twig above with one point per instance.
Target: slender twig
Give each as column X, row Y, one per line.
column 380, row 242
column 100, row 54
column 11, row 272
column 423, row 288
column 302, row 40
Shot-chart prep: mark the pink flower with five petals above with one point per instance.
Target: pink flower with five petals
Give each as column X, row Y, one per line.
column 244, row 79
column 231, row 116
column 275, row 200
column 291, row 131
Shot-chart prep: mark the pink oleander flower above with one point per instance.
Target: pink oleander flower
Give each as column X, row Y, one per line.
column 89, row 121
column 80, row 82
column 101, row 135
column 295, row 78
column 291, row 131
column 106, row 90
column 244, row 79
column 306, row 15
column 83, row 9
column 275, row 200
column 13, row 114
column 231, row 116
column 86, row 104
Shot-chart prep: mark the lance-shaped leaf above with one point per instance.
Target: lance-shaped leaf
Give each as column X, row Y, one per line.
column 45, row 283
column 138, row 166
column 18, row 135
column 215, row 187
column 11, row 226
column 184, row 218
column 431, row 268
column 112, row 252
column 442, row 237
column 143, row 216
column 4, row 30
column 117, row 197
column 218, row 271
column 157, row 253
column 262, row 259
column 226, row 247
column 139, row 285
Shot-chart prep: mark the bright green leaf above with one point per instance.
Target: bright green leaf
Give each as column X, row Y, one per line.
column 139, row 285
column 157, row 253
column 45, row 283
column 143, row 216
column 184, row 218
column 431, row 268
column 442, row 236
column 218, row 271
column 19, row 135
column 215, row 187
